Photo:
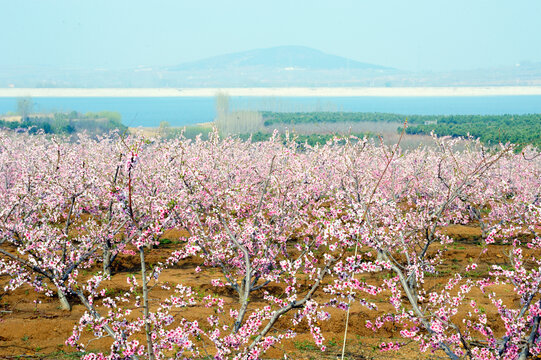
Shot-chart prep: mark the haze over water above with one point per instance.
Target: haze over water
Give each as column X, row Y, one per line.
column 191, row 110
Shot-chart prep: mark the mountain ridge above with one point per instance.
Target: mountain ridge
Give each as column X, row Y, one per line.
column 279, row 57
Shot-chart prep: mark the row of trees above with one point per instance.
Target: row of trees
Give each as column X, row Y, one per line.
column 490, row 129
column 518, row 129
column 273, row 118
column 64, row 123
column 291, row 233
column 68, row 123
column 300, row 139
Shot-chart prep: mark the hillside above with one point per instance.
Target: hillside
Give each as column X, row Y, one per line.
column 281, row 57
column 283, row 66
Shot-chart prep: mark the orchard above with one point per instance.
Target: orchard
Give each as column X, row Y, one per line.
column 274, row 239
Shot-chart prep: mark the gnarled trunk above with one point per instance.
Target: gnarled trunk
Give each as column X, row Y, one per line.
column 64, row 302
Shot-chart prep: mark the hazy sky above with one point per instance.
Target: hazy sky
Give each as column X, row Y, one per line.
column 412, row 35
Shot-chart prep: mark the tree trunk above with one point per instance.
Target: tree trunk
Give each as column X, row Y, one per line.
column 150, row 347
column 64, row 303
column 107, row 260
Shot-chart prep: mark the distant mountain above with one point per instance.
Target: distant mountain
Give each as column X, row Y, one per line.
column 284, row 66
column 281, row 57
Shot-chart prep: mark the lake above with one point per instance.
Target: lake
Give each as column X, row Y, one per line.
column 179, row 111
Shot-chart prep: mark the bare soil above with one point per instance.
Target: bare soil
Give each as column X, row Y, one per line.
column 30, row 330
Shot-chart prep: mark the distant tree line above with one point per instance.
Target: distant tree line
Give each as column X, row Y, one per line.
column 191, row 132
column 490, row 129
column 67, row 123
column 166, row 131
column 273, row 118
column 312, row 139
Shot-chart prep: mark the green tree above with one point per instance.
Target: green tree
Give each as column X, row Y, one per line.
column 25, row 107
column 165, row 129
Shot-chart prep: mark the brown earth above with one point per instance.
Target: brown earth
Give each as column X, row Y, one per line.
column 37, row 331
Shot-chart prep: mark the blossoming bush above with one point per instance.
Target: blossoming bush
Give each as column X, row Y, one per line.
column 288, row 231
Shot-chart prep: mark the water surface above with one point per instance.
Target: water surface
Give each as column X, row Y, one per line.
column 179, row 111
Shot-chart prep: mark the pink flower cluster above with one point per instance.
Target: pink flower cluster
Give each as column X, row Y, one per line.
column 301, row 230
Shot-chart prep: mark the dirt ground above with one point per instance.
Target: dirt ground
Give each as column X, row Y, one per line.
column 38, row 331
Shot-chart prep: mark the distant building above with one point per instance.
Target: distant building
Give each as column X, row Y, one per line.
column 431, row 122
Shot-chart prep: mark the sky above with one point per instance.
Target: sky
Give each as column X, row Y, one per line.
column 427, row 35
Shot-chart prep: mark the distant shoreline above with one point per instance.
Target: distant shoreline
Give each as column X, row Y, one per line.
column 276, row 92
